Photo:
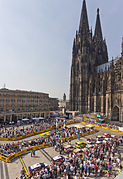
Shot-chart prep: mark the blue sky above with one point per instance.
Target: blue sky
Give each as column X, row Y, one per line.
column 36, row 39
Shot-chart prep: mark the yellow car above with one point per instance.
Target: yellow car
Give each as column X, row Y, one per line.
column 80, row 144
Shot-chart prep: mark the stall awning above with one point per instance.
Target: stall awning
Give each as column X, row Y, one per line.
column 25, row 119
column 101, row 120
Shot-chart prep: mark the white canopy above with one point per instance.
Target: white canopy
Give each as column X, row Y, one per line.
column 57, row 158
column 35, row 118
column 98, row 142
column 107, row 138
column 37, row 165
column 38, row 118
column 99, row 136
column 41, row 118
column 89, row 125
column 121, row 128
column 25, row 119
column 113, row 135
column 77, row 150
column 67, row 146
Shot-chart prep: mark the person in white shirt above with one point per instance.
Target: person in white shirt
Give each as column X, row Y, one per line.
column 114, row 165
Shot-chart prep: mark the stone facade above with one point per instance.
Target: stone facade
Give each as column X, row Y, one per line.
column 18, row 104
column 53, row 104
column 63, row 103
column 96, row 84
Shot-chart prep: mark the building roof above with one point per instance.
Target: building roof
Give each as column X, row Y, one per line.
column 103, row 67
column 22, row 91
column 106, row 66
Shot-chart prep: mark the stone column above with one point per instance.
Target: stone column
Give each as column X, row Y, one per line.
column 121, row 114
column 106, row 105
column 4, row 118
column 89, row 104
column 45, row 115
column 102, row 102
column 95, row 105
column 11, row 118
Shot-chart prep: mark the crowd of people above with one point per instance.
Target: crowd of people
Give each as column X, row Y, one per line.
column 111, row 126
column 14, row 147
column 98, row 160
column 102, row 159
column 17, row 131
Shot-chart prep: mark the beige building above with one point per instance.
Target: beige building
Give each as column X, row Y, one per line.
column 19, row 104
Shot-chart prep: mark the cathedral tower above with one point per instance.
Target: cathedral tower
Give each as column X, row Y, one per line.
column 100, row 53
column 122, row 48
column 80, row 65
column 88, row 53
column 96, row 85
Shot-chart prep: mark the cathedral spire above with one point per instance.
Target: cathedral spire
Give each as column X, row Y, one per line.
column 98, row 30
column 84, row 27
column 122, row 47
column 74, row 47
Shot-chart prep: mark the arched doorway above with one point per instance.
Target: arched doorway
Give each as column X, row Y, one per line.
column 115, row 114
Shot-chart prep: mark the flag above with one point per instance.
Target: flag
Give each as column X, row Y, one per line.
column 82, row 117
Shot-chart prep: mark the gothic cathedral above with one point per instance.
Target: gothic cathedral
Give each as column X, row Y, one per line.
column 96, row 84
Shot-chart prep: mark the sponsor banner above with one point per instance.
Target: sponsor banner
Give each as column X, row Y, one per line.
column 3, row 158
column 84, row 116
column 115, row 130
column 27, row 151
column 76, row 136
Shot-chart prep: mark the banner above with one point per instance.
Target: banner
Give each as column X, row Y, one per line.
column 84, row 116
column 115, row 130
column 3, row 158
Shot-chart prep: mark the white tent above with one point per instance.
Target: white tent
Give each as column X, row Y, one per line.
column 35, row 118
column 89, row 125
column 25, row 119
column 38, row 118
column 41, row 118
column 121, row 128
